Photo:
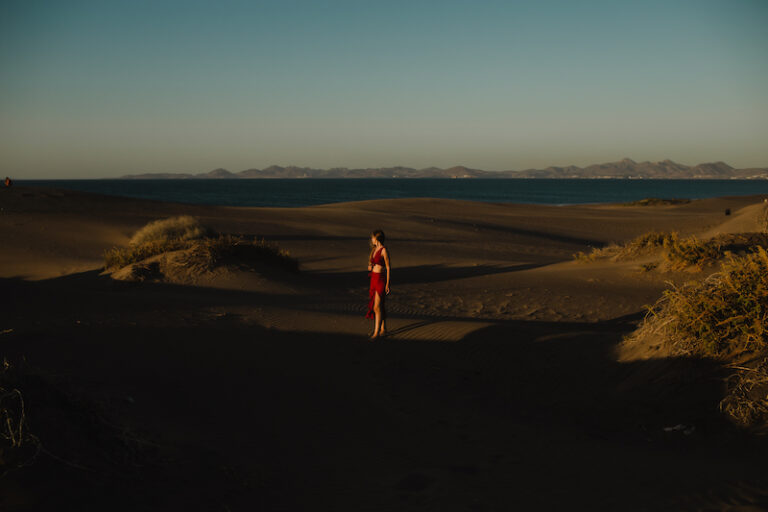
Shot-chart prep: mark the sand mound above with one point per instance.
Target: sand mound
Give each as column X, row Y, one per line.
column 181, row 250
column 191, row 260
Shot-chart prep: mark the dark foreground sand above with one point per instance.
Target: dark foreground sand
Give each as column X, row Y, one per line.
column 500, row 387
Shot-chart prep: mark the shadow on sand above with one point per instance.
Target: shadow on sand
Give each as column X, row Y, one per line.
column 417, row 274
column 537, row 415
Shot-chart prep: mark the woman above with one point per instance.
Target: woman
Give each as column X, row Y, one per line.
column 377, row 262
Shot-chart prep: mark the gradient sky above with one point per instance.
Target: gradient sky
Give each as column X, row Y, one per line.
column 105, row 88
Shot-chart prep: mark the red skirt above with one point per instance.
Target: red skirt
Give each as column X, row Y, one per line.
column 378, row 284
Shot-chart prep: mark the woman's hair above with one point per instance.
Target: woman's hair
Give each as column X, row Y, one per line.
column 378, row 235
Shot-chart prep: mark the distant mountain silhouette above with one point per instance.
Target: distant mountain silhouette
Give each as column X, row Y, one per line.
column 623, row 169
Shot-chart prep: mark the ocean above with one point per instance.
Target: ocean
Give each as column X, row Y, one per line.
column 310, row 192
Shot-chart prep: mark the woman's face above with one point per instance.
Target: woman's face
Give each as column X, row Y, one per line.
column 373, row 240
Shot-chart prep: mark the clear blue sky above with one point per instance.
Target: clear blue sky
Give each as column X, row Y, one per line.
column 104, row 88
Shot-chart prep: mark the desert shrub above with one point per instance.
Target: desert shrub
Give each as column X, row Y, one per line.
column 595, row 254
column 182, row 227
column 723, row 315
column 692, row 252
column 636, row 247
column 746, row 400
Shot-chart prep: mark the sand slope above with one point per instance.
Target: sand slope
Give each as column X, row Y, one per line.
column 498, row 389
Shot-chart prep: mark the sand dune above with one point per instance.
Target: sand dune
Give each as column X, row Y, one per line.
column 498, row 388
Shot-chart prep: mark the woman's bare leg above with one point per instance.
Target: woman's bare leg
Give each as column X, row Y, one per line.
column 383, row 328
column 376, row 315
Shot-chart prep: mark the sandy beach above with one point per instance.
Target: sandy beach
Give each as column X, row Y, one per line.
column 499, row 386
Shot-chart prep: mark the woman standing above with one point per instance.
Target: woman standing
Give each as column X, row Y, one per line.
column 378, row 261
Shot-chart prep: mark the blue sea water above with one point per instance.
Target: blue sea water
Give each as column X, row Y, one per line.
column 308, row 192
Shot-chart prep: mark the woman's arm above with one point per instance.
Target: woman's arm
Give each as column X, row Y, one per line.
column 385, row 253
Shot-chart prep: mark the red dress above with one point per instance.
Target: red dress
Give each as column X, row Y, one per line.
column 378, row 283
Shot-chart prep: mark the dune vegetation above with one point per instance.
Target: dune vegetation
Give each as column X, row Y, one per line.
column 196, row 247
column 677, row 253
column 723, row 317
column 182, row 227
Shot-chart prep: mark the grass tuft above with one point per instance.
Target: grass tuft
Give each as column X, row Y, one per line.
column 182, row 227
column 640, row 246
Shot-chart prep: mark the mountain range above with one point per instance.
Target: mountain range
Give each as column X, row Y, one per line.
column 623, row 169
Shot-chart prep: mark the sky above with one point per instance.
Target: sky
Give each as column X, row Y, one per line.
column 94, row 89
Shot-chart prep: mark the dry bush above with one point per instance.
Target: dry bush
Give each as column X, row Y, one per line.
column 723, row 315
column 746, row 401
column 640, row 246
column 182, row 227
column 691, row 252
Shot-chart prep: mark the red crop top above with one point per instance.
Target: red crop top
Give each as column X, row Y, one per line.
column 376, row 258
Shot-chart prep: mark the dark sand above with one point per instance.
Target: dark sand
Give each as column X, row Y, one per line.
column 499, row 388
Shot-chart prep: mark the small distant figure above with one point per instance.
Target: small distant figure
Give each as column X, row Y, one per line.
column 378, row 262
column 727, row 211
column 8, row 182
